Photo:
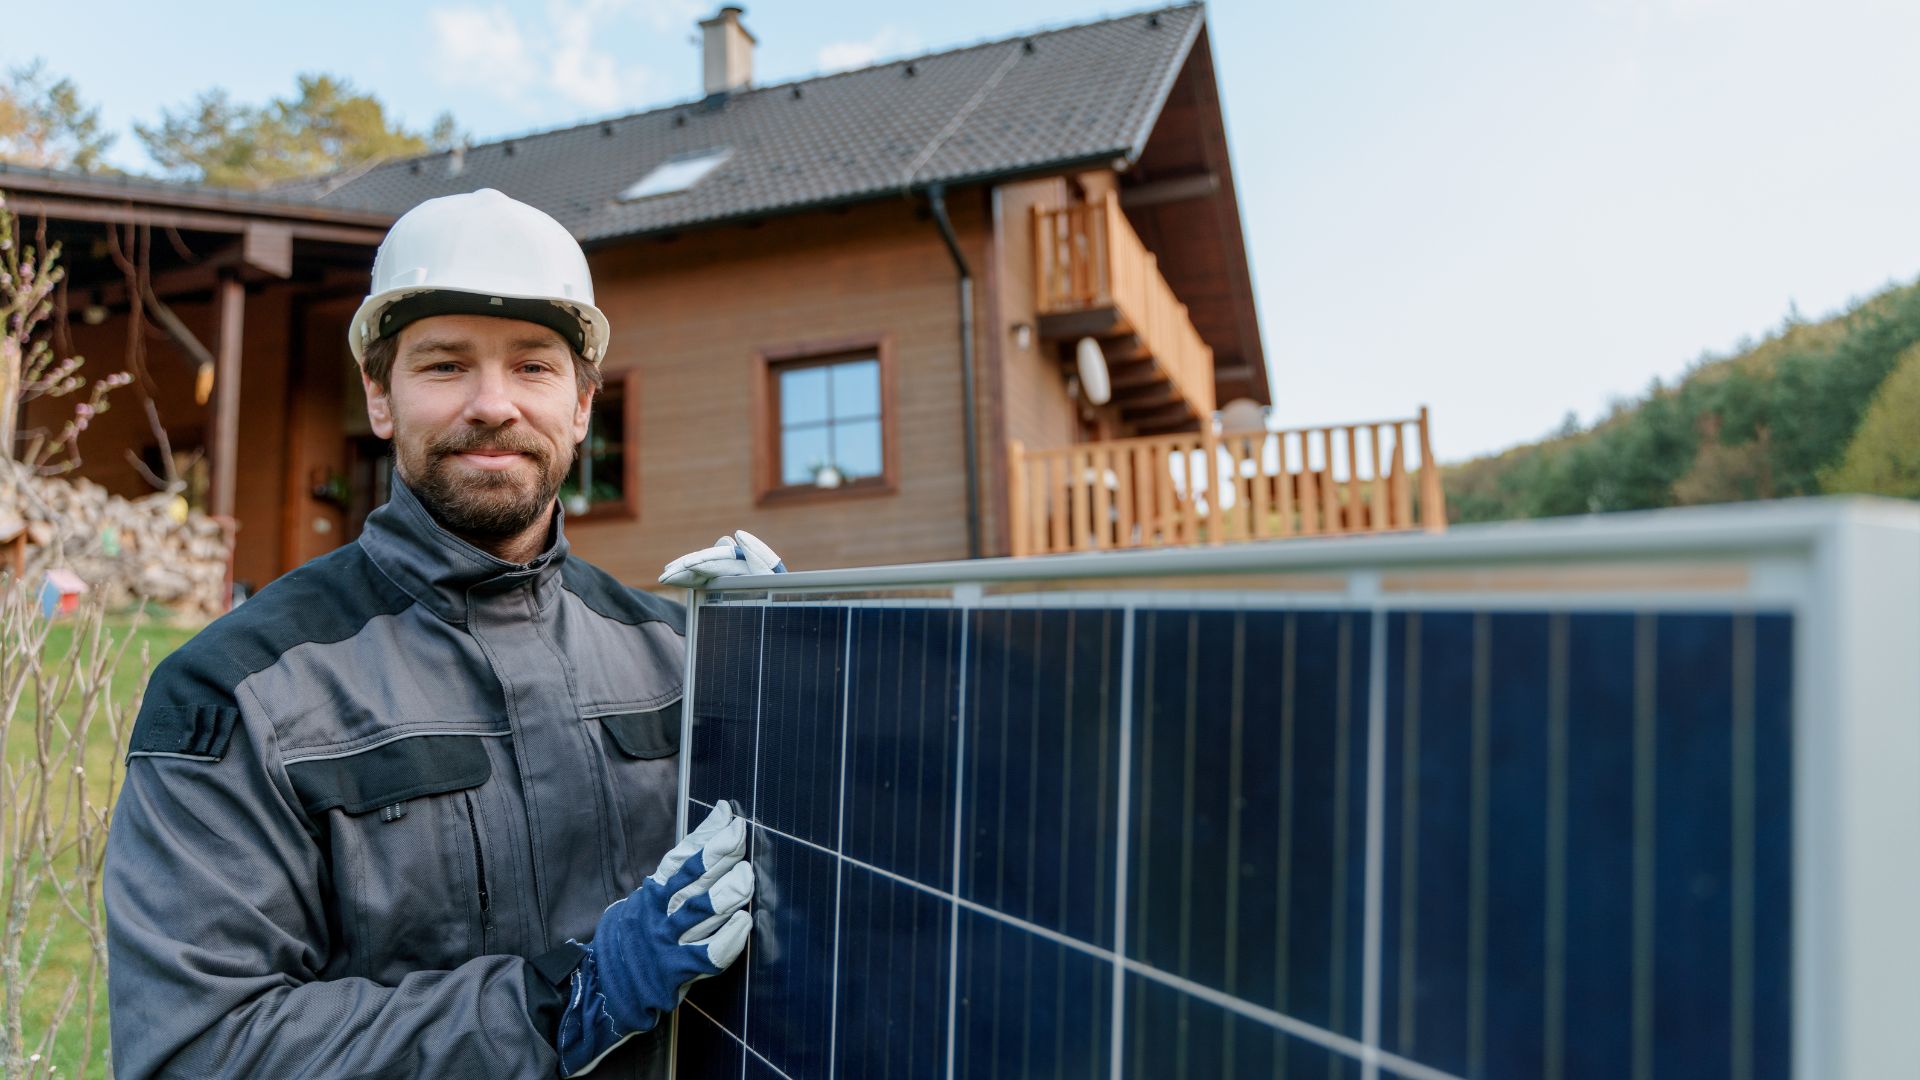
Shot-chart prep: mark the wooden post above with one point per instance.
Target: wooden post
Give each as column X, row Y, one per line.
column 1144, row 494
column 1261, row 484
column 1210, row 445
column 223, row 444
column 1110, row 225
column 1164, row 490
column 1062, row 512
column 1433, row 504
column 1042, row 295
column 1354, row 520
column 1329, row 491
column 1309, row 490
column 1283, row 484
column 1377, row 512
column 1041, row 494
column 1402, row 484
column 1189, row 498
column 1017, row 495
column 1077, row 485
column 1123, row 474
column 1097, row 460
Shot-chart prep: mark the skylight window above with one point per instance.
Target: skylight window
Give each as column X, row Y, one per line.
column 676, row 174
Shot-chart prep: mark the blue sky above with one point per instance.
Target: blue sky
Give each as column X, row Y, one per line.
column 1504, row 209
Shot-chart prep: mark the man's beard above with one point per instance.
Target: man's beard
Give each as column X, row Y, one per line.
column 485, row 505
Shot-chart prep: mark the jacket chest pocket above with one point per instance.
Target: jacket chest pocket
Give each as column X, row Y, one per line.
column 403, row 822
column 642, row 751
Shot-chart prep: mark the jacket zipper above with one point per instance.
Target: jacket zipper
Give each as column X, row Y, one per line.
column 480, row 870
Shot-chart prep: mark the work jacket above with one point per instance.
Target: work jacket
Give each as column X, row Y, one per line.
column 365, row 811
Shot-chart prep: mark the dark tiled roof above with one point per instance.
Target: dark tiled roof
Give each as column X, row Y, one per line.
column 1041, row 101
column 115, row 187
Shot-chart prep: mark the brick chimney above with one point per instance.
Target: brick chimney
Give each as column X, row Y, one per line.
column 727, row 52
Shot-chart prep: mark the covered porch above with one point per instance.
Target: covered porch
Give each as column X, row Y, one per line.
column 227, row 309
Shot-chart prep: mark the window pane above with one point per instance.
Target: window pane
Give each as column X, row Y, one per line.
column 856, row 389
column 609, row 415
column 604, row 454
column 678, row 174
column 801, row 452
column 857, row 448
column 803, row 395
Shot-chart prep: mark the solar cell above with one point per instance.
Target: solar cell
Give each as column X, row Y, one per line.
column 1570, row 827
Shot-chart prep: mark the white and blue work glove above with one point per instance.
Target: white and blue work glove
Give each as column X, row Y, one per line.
column 683, row 923
column 741, row 553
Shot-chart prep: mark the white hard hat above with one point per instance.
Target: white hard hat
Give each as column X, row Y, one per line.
column 481, row 253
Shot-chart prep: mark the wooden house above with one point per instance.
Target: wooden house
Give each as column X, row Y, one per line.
column 849, row 313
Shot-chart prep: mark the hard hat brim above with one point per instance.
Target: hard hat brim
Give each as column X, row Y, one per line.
column 365, row 327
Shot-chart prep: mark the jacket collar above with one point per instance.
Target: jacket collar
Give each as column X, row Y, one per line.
column 446, row 573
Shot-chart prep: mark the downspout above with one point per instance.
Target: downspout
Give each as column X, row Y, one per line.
column 937, row 194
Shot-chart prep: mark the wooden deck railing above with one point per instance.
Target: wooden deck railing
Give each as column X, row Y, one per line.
column 1088, row 257
column 1161, row 490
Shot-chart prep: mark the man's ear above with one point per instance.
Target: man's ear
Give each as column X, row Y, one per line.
column 582, row 413
column 379, row 406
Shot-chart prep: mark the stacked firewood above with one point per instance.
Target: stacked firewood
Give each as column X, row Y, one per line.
column 127, row 550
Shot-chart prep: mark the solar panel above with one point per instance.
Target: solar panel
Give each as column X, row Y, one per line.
column 1247, row 825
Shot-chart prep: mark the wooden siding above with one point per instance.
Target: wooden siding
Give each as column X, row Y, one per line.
column 694, row 312
column 1038, row 411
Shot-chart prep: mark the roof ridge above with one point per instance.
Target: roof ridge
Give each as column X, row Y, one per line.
column 319, row 179
column 983, row 43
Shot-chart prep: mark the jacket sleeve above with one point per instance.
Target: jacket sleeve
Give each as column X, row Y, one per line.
column 217, row 931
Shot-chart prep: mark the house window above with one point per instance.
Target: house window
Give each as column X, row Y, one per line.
column 676, row 174
column 827, row 428
column 603, row 480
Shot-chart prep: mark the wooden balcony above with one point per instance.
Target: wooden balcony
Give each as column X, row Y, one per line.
column 1095, row 278
column 1208, row 488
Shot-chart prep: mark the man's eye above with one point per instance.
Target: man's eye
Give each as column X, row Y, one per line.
column 445, row 365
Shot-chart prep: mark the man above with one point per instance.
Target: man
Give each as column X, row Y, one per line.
column 390, row 817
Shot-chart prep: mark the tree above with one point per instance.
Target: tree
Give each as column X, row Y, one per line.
column 327, row 125
column 43, row 122
column 1884, row 456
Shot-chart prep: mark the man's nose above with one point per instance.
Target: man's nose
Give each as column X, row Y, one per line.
column 491, row 402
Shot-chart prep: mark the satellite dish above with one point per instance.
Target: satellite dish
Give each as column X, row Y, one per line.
column 1093, row 372
column 1243, row 416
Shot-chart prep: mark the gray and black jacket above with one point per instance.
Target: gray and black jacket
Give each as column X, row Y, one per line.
column 365, row 811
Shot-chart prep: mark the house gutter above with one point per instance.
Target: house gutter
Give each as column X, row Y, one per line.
column 937, row 195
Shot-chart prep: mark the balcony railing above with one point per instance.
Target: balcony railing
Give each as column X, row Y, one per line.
column 1095, row 278
column 1210, row 488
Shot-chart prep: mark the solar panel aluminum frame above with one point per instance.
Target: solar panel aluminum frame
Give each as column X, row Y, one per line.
column 1846, row 570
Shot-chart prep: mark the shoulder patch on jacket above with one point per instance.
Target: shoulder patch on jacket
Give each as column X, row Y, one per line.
column 608, row 598
column 194, row 731
column 190, row 707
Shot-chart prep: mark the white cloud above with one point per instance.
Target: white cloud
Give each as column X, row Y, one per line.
column 582, row 73
column 670, row 15
column 477, row 47
column 889, row 41
column 561, row 54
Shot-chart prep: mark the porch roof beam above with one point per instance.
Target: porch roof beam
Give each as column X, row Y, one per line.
column 135, row 214
column 154, row 193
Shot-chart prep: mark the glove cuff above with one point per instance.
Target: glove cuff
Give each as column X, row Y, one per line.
column 588, row 1032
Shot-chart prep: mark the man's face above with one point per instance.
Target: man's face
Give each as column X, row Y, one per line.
column 484, row 414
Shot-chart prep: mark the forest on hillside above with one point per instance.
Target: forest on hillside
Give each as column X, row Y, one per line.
column 1817, row 408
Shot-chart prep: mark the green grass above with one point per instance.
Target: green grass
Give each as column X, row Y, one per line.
column 67, row 945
